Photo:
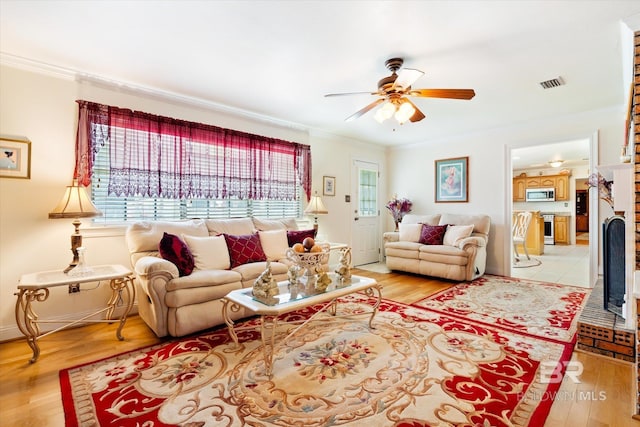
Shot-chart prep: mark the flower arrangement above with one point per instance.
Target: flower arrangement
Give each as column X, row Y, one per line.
column 604, row 187
column 399, row 208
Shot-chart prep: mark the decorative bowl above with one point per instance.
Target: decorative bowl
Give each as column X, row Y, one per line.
column 310, row 261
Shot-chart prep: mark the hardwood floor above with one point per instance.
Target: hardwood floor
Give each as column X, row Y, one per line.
column 30, row 393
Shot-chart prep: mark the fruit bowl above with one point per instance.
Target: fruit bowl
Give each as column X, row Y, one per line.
column 309, row 260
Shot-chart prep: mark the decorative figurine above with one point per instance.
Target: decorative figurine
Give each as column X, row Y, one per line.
column 293, row 274
column 323, row 280
column 265, row 288
column 344, row 269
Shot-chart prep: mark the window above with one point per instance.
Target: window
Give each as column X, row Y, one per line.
column 144, row 167
column 367, row 192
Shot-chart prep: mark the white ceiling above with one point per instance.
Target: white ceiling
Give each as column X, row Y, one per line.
column 276, row 59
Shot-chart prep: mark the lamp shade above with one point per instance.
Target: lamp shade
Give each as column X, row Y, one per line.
column 75, row 204
column 316, row 207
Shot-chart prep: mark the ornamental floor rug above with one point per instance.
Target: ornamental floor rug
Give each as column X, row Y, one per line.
column 416, row 368
column 546, row 310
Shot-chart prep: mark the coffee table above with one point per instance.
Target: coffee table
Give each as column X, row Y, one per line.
column 288, row 301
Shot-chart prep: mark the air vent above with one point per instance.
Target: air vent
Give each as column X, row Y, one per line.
column 548, row 84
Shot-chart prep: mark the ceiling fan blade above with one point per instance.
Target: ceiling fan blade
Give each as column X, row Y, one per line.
column 418, row 115
column 364, row 110
column 350, row 93
column 406, row 78
column 444, row 93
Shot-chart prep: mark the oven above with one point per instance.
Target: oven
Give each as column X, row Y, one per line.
column 549, row 235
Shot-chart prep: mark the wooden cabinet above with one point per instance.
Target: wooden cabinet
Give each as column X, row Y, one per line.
column 548, row 181
column 519, row 185
column 532, row 182
column 535, row 234
column 561, row 229
column 559, row 182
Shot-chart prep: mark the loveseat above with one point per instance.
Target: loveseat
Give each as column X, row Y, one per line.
column 449, row 246
column 184, row 268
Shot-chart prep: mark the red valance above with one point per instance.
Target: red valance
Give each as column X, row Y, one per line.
column 155, row 156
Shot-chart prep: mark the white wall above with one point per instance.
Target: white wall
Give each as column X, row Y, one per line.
column 42, row 108
column 412, row 168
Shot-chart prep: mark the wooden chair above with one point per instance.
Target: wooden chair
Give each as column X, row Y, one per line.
column 521, row 223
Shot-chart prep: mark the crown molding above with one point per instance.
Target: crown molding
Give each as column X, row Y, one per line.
column 140, row 90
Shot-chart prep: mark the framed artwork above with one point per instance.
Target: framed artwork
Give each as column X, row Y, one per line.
column 328, row 185
column 452, row 180
column 15, row 158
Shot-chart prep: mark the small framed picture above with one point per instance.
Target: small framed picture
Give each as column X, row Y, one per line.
column 15, row 158
column 329, row 185
column 452, row 180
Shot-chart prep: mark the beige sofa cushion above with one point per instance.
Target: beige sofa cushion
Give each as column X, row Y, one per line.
column 454, row 233
column 188, row 296
column 143, row 238
column 443, row 254
column 421, row 219
column 274, row 243
column 234, row 226
column 209, row 253
column 409, row 232
column 481, row 223
column 252, row 270
column 203, row 279
column 275, row 224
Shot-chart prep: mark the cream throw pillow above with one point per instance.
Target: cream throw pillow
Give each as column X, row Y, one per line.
column 455, row 233
column 274, row 243
column 409, row 232
column 209, row 253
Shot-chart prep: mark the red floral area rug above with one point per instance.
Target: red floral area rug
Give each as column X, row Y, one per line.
column 415, row 368
column 546, row 310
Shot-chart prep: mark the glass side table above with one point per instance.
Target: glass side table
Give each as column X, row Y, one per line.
column 35, row 287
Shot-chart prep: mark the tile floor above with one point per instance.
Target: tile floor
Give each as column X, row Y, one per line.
column 566, row 264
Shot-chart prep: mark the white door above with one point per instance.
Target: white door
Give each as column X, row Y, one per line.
column 365, row 239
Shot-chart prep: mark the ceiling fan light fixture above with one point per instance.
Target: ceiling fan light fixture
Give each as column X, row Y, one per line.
column 556, row 163
column 385, row 112
column 405, row 112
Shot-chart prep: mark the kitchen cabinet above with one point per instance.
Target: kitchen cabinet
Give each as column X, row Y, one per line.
column 535, row 234
column 559, row 182
column 532, row 182
column 548, row 181
column 561, row 229
column 519, row 185
column 562, row 187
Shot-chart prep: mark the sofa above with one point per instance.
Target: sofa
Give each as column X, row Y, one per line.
column 184, row 268
column 448, row 246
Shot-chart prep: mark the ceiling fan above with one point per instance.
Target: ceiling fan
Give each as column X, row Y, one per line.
column 395, row 89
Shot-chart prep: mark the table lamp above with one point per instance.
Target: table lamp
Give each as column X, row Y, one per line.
column 315, row 208
column 75, row 204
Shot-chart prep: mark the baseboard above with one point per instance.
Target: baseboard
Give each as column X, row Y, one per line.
column 12, row 333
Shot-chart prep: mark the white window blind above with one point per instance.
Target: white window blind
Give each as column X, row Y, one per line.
column 125, row 209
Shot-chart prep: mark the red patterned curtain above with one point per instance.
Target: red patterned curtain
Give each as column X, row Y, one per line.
column 154, row 156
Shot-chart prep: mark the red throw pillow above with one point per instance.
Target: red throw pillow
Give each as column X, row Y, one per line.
column 297, row 236
column 173, row 249
column 432, row 234
column 244, row 249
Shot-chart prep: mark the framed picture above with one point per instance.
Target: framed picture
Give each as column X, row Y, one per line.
column 15, row 158
column 452, row 180
column 329, row 185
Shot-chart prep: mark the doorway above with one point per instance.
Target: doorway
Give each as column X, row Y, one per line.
column 365, row 241
column 563, row 260
column 582, row 212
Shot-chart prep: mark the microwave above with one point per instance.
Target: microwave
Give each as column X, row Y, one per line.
column 540, row 194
